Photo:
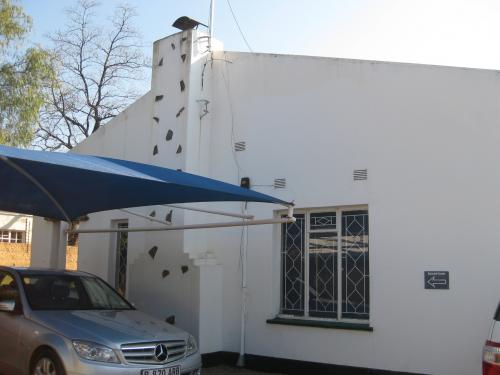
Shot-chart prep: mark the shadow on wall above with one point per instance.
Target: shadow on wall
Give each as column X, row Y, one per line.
column 19, row 255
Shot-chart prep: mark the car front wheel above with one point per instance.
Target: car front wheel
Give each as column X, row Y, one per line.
column 46, row 362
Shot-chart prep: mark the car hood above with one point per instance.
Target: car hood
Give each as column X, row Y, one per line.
column 110, row 328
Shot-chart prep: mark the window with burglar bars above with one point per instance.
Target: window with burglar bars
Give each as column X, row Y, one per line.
column 315, row 282
column 121, row 259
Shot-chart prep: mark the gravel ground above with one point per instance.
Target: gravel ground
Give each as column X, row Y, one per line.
column 227, row 370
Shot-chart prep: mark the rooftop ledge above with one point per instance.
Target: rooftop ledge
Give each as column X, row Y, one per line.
column 320, row 324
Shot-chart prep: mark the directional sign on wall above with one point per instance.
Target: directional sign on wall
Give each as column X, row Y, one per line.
column 437, row 279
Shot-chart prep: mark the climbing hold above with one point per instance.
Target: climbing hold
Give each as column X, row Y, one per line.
column 155, row 150
column 152, row 214
column 184, row 269
column 179, row 149
column 169, row 216
column 180, row 111
column 170, row 319
column 157, row 119
column 183, row 57
column 172, row 45
column 170, row 134
column 183, row 85
column 161, row 62
column 158, row 98
column 165, row 273
column 152, row 252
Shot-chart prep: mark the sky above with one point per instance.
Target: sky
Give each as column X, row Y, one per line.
column 442, row 32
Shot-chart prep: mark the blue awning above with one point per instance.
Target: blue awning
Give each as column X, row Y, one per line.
column 66, row 185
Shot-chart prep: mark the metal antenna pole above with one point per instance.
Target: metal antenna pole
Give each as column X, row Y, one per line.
column 211, row 24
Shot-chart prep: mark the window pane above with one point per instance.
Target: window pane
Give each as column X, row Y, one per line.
column 355, row 265
column 323, row 250
column 292, row 265
column 8, row 288
column 121, row 259
column 323, row 220
column 4, row 236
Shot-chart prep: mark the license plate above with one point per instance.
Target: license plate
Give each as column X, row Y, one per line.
column 176, row 370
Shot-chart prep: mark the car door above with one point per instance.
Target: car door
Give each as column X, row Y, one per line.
column 10, row 361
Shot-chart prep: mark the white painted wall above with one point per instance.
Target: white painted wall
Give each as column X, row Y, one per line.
column 427, row 135
column 429, row 138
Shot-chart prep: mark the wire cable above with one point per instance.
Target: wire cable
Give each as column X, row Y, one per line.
column 238, row 25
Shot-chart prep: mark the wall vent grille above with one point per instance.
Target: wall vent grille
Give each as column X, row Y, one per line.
column 240, row 146
column 360, row 174
column 279, row 183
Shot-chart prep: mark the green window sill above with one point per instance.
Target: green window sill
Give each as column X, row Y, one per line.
column 320, row 324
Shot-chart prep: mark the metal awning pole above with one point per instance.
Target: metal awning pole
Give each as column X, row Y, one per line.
column 211, row 24
column 145, row 217
column 190, row 226
column 214, row 212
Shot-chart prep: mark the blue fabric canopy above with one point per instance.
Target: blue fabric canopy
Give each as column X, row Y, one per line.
column 48, row 183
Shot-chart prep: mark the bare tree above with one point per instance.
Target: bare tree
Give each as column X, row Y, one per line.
column 97, row 74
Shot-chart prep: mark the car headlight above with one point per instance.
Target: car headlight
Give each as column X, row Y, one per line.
column 191, row 346
column 95, row 352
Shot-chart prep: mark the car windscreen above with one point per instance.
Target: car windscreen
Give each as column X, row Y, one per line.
column 71, row 292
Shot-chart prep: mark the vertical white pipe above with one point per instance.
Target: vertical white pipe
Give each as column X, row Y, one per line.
column 241, row 358
column 211, row 24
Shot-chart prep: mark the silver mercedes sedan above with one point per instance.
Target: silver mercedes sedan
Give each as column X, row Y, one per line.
column 73, row 323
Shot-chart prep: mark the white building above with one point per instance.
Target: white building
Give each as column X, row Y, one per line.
column 15, row 228
column 411, row 149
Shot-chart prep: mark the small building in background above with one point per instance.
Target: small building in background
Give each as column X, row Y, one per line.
column 15, row 228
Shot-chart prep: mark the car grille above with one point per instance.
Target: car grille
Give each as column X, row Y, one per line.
column 145, row 352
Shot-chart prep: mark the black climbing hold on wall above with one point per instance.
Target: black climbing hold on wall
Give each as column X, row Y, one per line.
column 157, row 119
column 152, row 252
column 179, row 170
column 169, row 216
column 180, row 111
column 184, row 269
column 170, row 319
column 184, row 38
column 183, row 57
column 165, row 273
column 183, row 85
column 158, row 98
column 155, row 150
column 172, row 45
column 170, row 134
column 152, row 214
column 161, row 62
column 179, row 149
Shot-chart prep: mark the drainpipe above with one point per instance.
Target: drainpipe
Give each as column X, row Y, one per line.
column 241, row 358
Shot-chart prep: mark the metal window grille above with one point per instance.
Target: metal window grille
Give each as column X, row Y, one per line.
column 325, row 265
column 293, row 272
column 121, row 259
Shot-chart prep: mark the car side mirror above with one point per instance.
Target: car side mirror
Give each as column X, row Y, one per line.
column 8, row 305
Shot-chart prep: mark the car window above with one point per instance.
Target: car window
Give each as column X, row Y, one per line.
column 8, row 288
column 100, row 294
column 68, row 292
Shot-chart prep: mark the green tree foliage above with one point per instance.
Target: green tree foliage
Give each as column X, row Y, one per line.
column 23, row 76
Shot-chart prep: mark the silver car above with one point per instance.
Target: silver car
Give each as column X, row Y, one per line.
column 73, row 323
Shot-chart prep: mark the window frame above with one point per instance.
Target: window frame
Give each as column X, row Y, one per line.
column 338, row 272
column 12, row 236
